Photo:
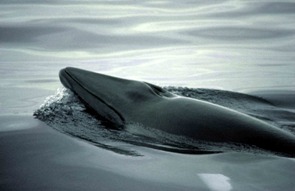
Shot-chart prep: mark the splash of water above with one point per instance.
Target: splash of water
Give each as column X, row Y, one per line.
column 65, row 112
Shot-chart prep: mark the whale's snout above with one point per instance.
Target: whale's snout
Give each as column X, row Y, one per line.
column 65, row 78
column 96, row 90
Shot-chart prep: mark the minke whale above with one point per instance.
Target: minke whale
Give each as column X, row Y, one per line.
column 122, row 101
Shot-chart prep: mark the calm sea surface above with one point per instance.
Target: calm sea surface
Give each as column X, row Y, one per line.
column 233, row 45
column 237, row 45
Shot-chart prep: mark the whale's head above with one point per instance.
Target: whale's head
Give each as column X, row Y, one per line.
column 112, row 98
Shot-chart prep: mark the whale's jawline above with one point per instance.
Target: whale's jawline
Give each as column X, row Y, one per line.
column 65, row 76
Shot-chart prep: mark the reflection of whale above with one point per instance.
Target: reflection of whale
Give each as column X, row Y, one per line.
column 122, row 101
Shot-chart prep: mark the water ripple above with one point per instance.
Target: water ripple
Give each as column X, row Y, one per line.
column 218, row 36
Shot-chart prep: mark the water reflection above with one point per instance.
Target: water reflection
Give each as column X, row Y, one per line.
column 236, row 41
column 216, row 182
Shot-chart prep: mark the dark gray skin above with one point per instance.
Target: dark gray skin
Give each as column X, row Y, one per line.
column 122, row 101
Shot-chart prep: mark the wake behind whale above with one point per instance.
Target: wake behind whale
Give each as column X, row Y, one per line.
column 181, row 126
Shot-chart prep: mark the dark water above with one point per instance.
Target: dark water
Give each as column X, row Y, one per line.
column 242, row 46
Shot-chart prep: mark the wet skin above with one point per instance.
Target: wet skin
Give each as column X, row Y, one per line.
column 122, row 101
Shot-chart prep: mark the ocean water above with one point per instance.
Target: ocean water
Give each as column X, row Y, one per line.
column 233, row 45
column 238, row 46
